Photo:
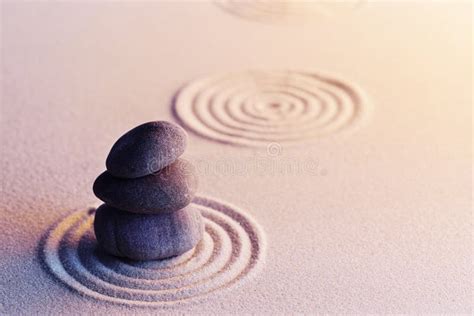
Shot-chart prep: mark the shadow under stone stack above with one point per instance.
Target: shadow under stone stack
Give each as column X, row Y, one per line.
column 147, row 190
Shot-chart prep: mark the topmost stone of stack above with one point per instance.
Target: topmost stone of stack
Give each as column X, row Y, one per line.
column 146, row 149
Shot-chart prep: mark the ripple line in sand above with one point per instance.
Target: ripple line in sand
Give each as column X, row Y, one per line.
column 231, row 250
column 286, row 11
column 255, row 108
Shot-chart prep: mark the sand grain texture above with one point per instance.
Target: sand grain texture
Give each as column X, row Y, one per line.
column 385, row 229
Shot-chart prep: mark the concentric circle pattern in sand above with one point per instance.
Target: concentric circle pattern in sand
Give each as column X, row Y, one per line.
column 231, row 250
column 256, row 108
column 286, row 11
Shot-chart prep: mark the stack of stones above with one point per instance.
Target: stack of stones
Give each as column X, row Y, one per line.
column 147, row 190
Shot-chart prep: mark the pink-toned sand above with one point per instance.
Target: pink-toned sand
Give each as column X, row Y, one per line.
column 369, row 220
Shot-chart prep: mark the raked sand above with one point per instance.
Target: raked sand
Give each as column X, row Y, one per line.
column 333, row 147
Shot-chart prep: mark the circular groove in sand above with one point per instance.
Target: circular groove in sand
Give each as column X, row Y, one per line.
column 255, row 108
column 286, row 11
column 230, row 251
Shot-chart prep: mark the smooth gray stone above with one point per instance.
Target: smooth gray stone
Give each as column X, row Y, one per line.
column 168, row 190
column 147, row 237
column 146, row 149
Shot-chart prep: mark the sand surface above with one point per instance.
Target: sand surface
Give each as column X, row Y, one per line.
column 372, row 219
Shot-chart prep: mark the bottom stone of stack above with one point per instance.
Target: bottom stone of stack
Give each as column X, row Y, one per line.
column 145, row 236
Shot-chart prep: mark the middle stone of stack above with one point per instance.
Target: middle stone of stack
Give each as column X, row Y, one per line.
column 147, row 190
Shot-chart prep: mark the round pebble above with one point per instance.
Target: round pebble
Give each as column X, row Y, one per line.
column 168, row 190
column 147, row 237
column 146, row 149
